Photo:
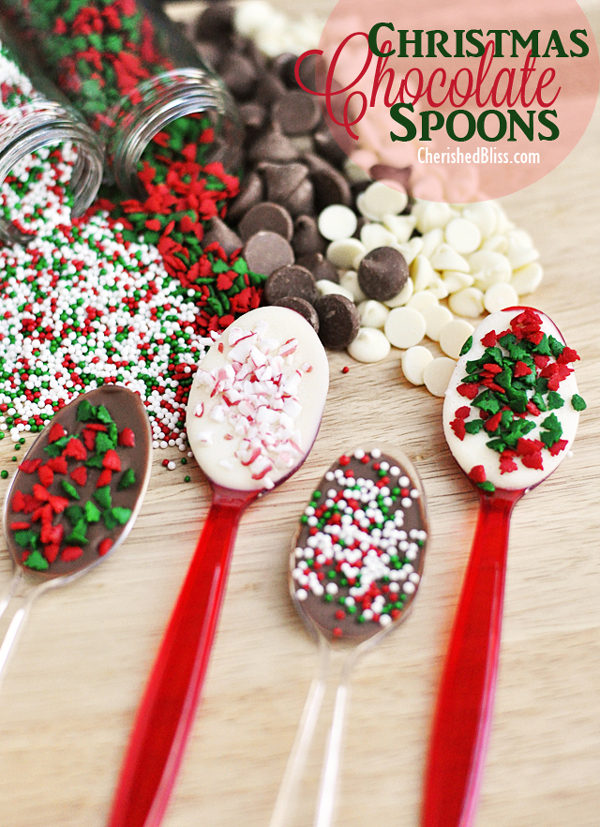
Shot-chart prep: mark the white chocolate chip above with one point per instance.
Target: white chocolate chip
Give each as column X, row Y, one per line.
column 431, row 241
column 496, row 244
column 463, row 235
column 527, row 279
column 343, row 252
column 447, row 258
column 483, row 215
column 327, row 288
column 436, row 375
column 372, row 313
column 432, row 215
column 403, row 296
column 467, row 302
column 422, row 300
column 436, row 317
column 499, row 297
column 370, row 345
column 382, row 198
column 489, row 268
column 349, row 281
column 376, row 235
column 414, row 362
column 401, row 226
column 404, row 327
column 454, row 335
column 422, row 273
column 411, row 249
column 455, row 281
column 337, row 222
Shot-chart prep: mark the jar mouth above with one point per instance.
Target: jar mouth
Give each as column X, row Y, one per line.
column 41, row 123
column 160, row 101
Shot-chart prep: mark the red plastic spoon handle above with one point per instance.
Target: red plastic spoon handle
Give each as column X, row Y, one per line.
column 465, row 702
column 167, row 709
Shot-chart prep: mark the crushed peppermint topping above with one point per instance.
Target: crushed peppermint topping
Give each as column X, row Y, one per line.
column 256, row 394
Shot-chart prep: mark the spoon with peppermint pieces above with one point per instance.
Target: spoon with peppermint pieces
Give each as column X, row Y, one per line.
column 253, row 414
column 510, row 416
column 355, row 569
column 75, row 496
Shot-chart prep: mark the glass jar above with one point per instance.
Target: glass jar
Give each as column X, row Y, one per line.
column 131, row 73
column 33, row 114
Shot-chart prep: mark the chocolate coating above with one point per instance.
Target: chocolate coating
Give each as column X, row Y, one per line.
column 382, row 273
column 339, row 321
column 303, row 307
column 394, row 555
column 266, row 252
column 127, row 411
column 291, row 280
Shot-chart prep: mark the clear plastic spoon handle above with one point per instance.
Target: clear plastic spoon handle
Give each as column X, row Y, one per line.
column 302, row 741
column 12, row 587
column 18, row 620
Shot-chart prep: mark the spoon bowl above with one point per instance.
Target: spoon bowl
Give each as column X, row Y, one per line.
column 253, row 414
column 510, row 415
column 58, row 521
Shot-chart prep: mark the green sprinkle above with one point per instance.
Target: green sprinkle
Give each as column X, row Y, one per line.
column 578, row 402
column 103, row 496
column 127, row 479
column 70, row 489
column 36, row 561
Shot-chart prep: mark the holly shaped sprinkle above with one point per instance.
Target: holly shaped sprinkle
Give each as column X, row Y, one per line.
column 511, row 390
column 55, row 516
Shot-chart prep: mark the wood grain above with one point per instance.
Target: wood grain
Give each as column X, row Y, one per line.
column 71, row 690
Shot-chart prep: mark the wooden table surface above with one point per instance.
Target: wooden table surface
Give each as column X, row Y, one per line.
column 71, row 690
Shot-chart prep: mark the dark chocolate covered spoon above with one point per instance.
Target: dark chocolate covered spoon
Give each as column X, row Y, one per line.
column 75, row 496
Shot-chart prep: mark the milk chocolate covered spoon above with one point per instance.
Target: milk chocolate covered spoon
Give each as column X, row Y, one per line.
column 253, row 414
column 510, row 415
column 75, row 495
column 354, row 573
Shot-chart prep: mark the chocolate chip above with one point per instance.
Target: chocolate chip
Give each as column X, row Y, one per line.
column 329, row 147
column 267, row 216
column 320, row 267
column 223, row 235
column 339, row 321
column 253, row 116
column 307, row 239
column 297, row 112
column 307, row 72
column 265, row 252
column 269, row 88
column 216, row 23
column 282, row 179
column 251, row 193
column 303, row 307
column 273, row 146
column 330, row 188
column 382, row 273
column 385, row 172
column 301, row 200
column 283, row 65
column 238, row 74
column 291, row 280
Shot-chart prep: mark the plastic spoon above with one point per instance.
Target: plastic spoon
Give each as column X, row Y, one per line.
column 512, row 340
column 58, row 561
column 253, row 415
column 371, row 570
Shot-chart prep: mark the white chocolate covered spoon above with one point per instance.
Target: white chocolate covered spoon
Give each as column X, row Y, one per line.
column 253, row 414
column 510, row 415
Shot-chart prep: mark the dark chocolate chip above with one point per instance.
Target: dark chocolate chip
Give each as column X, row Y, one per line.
column 251, row 193
column 307, row 239
column 210, row 53
column 297, row 112
column 238, row 74
column 223, row 235
column 301, row 200
column 385, row 172
column 329, row 147
column 303, row 307
column 273, row 146
column 291, row 280
column 320, row 267
column 265, row 252
column 269, row 88
column 216, row 23
column 307, row 73
column 382, row 273
column 267, row 216
column 282, row 179
column 330, row 188
column 253, row 117
column 283, row 65
column 339, row 321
